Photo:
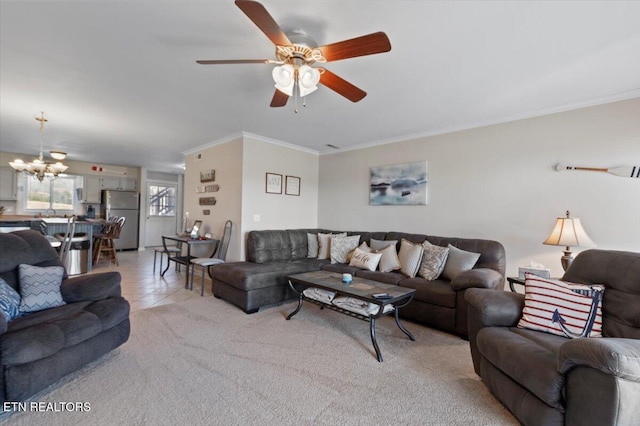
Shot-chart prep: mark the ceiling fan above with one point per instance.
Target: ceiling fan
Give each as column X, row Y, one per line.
column 296, row 52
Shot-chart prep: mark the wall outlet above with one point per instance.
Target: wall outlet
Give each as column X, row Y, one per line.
column 256, row 218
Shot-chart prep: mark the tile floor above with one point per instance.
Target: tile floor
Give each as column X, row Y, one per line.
column 143, row 288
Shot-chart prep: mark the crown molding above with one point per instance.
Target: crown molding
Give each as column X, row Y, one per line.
column 242, row 135
column 475, row 125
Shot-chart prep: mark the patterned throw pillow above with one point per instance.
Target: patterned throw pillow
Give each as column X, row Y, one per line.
column 410, row 256
column 9, row 301
column 389, row 260
column 365, row 259
column 342, row 246
column 312, row 245
column 458, row 261
column 433, row 261
column 324, row 244
column 562, row 308
column 40, row 287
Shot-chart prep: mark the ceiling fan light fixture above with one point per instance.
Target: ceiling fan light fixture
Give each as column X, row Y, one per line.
column 283, row 76
column 308, row 79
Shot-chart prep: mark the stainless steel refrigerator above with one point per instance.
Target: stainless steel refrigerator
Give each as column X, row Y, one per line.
column 123, row 204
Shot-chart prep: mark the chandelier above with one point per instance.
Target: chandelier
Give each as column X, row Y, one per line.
column 39, row 168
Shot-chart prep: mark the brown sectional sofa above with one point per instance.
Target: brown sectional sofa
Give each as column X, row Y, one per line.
column 272, row 255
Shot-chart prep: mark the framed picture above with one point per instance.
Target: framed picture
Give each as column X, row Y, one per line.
column 274, row 183
column 292, row 185
column 195, row 230
column 399, row 184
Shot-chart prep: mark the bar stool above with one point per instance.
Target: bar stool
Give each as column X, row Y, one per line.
column 104, row 242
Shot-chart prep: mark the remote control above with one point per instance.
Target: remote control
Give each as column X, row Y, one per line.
column 381, row 296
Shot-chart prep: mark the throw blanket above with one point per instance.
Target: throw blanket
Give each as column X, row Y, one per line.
column 359, row 306
column 319, row 294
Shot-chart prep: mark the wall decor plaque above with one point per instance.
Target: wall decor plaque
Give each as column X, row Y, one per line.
column 208, row 176
column 207, row 201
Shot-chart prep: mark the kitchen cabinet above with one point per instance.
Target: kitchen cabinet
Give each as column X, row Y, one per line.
column 8, row 184
column 91, row 188
column 122, row 183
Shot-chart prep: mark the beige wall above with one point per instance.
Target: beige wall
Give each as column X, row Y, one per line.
column 278, row 211
column 241, row 165
column 498, row 182
column 226, row 160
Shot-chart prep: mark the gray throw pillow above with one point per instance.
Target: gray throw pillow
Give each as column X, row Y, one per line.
column 378, row 245
column 433, row 261
column 458, row 261
column 40, row 287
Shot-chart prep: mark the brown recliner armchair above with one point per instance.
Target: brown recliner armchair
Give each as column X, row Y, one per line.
column 39, row 348
column 545, row 379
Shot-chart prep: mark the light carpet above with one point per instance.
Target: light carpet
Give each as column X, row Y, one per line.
column 204, row 361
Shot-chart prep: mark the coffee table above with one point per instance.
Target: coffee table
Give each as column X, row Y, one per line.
column 359, row 288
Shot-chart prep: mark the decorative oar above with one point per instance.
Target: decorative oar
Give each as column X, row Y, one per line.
column 624, row 171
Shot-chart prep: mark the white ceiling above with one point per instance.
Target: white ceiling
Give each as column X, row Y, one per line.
column 119, row 83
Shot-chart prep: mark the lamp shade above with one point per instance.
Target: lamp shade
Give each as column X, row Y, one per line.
column 283, row 76
column 308, row 79
column 568, row 232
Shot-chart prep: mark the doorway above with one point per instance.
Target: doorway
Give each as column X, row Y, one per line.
column 161, row 212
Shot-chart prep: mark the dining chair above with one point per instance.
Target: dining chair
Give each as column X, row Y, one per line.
column 167, row 250
column 219, row 256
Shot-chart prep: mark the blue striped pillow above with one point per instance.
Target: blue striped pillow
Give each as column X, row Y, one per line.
column 9, row 301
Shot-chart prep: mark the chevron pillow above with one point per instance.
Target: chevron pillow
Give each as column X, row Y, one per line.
column 40, row 287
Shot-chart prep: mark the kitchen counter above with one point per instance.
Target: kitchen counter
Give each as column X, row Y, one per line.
column 54, row 225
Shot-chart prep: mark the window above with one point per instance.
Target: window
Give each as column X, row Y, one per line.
column 162, row 200
column 51, row 194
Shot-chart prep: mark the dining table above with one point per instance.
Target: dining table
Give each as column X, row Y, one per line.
column 189, row 242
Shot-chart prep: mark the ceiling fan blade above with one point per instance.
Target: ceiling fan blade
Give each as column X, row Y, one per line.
column 259, row 15
column 360, row 46
column 279, row 99
column 342, row 86
column 234, row 61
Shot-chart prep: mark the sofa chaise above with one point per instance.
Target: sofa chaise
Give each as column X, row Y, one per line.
column 39, row 348
column 272, row 255
column 549, row 379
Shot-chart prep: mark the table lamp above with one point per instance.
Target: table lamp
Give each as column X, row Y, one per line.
column 568, row 232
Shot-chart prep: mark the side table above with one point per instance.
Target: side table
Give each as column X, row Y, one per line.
column 514, row 280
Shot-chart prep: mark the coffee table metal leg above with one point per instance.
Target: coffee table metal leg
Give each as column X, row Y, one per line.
column 372, row 331
column 401, row 327
column 299, row 302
